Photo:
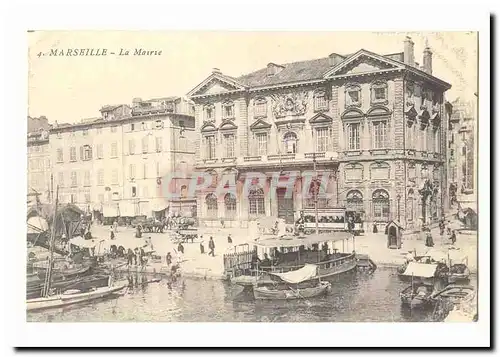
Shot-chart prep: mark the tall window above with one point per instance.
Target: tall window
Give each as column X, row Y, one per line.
column 183, row 191
column 145, row 144
column 410, row 205
column 100, row 177
column 353, row 136
column 86, row 178
column 72, row 153
column 229, row 145
column 380, row 199
column 322, row 139
column 157, row 169
column 114, row 177
column 131, row 171
column 209, row 113
column 74, row 179
column 60, row 179
column 87, row 198
column 290, row 140
column 131, row 147
column 379, row 134
column 379, row 92
column 211, row 203
column 320, row 102
column 256, row 202
column 145, row 171
column 353, row 96
column 431, row 140
column 260, row 107
column 228, row 110
column 209, row 146
column 60, row 155
column 354, row 201
column 114, row 149
column 261, row 143
column 159, row 143
column 87, row 152
column 230, row 205
column 113, row 129
column 100, row 151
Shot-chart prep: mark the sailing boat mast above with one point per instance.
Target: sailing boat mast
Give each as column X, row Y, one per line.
column 48, row 276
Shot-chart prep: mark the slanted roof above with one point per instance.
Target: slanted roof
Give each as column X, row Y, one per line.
column 292, row 72
column 293, row 241
column 307, row 272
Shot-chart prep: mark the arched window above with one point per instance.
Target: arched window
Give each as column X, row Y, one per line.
column 410, row 205
column 211, row 203
column 354, row 201
column 256, row 201
column 230, row 205
column 380, row 200
column 290, row 140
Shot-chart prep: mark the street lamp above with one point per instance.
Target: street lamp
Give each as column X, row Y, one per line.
column 398, row 197
column 315, row 193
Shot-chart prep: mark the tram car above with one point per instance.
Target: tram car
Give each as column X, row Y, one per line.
column 330, row 220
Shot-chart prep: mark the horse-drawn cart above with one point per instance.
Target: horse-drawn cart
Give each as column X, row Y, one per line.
column 184, row 235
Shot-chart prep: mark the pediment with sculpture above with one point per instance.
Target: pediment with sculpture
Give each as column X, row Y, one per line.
column 290, row 104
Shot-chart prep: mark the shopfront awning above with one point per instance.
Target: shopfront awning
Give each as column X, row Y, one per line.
column 158, row 205
column 110, row 210
column 128, row 209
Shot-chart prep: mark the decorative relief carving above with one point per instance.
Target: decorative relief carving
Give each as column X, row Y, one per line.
column 410, row 94
column 291, row 104
column 380, row 171
column 353, row 172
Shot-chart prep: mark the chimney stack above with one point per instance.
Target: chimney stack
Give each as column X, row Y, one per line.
column 427, row 60
column 335, row 59
column 216, row 70
column 409, row 54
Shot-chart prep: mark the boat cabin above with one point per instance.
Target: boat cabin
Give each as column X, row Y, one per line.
column 333, row 254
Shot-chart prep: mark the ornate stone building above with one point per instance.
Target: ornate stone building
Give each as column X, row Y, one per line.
column 371, row 123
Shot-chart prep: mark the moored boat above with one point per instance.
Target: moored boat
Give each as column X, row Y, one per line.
column 455, row 294
column 71, row 297
column 281, row 254
column 298, row 284
column 83, row 284
column 424, row 282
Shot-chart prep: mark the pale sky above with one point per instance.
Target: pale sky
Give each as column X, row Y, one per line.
column 68, row 89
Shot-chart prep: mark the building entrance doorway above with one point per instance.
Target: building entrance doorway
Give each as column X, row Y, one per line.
column 285, row 205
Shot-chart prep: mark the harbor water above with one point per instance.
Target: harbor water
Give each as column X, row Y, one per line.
column 355, row 297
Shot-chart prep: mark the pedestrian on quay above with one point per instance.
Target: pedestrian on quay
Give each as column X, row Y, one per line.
column 115, row 226
column 180, row 248
column 136, row 253
column 229, row 239
column 453, row 237
column 111, row 233
column 202, row 247
column 168, row 258
column 130, row 256
column 211, row 246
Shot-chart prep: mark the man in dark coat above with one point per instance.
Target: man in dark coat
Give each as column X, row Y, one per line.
column 229, row 239
column 211, row 246
column 180, row 248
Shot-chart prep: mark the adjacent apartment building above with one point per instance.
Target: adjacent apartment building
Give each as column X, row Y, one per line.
column 39, row 168
column 370, row 124
column 114, row 165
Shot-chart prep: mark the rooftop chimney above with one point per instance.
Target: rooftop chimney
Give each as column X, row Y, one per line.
column 408, row 53
column 427, row 60
column 273, row 68
column 334, row 59
column 216, row 70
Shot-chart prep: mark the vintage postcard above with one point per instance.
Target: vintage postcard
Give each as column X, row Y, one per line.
column 305, row 177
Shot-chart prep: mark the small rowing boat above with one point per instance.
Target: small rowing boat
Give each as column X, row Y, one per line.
column 74, row 296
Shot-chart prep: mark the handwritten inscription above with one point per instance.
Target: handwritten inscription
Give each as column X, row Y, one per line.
column 98, row 52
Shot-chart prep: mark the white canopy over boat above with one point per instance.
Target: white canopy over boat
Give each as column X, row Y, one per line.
column 309, row 271
column 420, row 270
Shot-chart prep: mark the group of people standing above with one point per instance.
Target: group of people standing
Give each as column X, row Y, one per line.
column 211, row 246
